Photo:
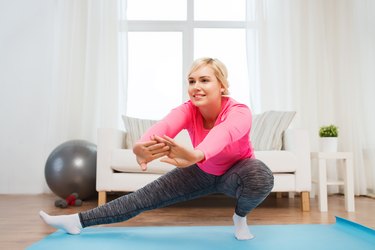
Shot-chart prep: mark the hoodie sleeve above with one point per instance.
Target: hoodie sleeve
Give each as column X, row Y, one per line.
column 233, row 125
column 170, row 125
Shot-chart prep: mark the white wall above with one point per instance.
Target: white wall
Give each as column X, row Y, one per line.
column 26, row 46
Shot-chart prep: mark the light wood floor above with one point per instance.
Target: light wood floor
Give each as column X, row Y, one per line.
column 20, row 224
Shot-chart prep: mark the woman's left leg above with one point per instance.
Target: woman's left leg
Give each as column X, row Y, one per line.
column 250, row 181
column 178, row 185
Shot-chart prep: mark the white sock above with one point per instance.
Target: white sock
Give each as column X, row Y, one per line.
column 242, row 231
column 69, row 223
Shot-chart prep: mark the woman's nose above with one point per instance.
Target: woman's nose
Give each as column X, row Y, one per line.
column 197, row 85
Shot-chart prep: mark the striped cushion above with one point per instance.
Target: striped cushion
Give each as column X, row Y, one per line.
column 268, row 128
column 135, row 128
column 266, row 131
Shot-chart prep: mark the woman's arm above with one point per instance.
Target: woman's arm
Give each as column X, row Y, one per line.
column 234, row 126
column 178, row 155
column 177, row 119
column 148, row 148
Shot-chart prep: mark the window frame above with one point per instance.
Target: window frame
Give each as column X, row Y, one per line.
column 187, row 28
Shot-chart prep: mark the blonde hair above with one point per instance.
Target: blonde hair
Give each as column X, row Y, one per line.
column 220, row 70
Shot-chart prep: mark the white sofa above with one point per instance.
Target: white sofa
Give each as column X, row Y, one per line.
column 117, row 169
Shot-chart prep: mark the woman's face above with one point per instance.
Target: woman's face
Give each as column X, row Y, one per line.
column 204, row 88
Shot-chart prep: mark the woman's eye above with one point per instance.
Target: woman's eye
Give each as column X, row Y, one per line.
column 191, row 82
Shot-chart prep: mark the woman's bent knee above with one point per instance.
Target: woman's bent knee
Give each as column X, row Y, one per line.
column 257, row 176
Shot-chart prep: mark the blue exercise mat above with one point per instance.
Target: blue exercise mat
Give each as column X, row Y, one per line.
column 342, row 235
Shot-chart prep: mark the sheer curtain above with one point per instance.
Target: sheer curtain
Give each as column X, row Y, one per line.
column 85, row 88
column 317, row 57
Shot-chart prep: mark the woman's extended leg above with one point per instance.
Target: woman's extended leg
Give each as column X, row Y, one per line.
column 176, row 186
column 250, row 181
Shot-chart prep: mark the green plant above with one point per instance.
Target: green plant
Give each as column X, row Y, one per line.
column 329, row 131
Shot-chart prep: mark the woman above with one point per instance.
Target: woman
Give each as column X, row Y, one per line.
column 222, row 160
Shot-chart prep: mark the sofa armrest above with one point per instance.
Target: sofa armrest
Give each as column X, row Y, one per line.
column 297, row 141
column 108, row 139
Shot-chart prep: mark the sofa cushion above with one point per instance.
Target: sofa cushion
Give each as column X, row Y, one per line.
column 279, row 161
column 266, row 132
column 267, row 129
column 123, row 160
column 135, row 128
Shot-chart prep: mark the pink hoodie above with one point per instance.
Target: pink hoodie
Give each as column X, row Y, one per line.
column 223, row 145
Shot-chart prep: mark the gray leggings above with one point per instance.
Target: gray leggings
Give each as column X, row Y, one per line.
column 249, row 181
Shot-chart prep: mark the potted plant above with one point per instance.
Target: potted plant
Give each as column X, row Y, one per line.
column 328, row 138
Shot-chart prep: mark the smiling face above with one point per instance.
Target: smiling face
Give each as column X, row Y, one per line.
column 204, row 87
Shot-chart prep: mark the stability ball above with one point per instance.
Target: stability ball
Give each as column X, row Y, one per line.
column 71, row 168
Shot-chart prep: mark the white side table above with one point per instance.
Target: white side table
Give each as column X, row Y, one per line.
column 347, row 158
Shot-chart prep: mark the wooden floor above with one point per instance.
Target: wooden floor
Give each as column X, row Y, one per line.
column 20, row 224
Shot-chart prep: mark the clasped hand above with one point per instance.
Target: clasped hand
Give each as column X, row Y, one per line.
column 174, row 153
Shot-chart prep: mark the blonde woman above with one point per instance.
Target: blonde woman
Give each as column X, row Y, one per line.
column 222, row 160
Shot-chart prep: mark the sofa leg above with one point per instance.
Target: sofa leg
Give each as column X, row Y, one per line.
column 102, row 198
column 305, row 201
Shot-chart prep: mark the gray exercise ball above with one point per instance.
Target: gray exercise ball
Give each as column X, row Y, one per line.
column 71, row 168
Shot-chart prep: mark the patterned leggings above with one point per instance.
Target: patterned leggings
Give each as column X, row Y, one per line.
column 249, row 181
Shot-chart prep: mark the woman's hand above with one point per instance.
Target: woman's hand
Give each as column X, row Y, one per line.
column 178, row 155
column 149, row 151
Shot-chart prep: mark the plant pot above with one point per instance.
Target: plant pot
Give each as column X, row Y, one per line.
column 328, row 144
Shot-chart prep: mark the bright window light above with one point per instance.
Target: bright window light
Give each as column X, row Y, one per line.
column 220, row 10
column 154, row 73
column 156, row 10
column 229, row 46
column 162, row 37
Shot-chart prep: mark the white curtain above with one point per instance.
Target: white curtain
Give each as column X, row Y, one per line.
column 318, row 57
column 85, row 91
column 84, row 94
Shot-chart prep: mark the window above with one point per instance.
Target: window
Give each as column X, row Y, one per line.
column 155, row 69
column 164, row 38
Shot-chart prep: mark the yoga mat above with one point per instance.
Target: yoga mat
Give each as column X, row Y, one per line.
column 342, row 235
